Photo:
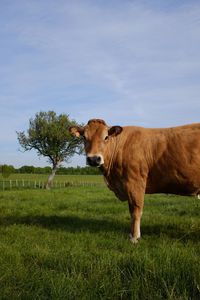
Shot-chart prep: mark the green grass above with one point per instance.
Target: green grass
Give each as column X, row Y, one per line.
column 59, row 178
column 73, row 244
column 35, row 181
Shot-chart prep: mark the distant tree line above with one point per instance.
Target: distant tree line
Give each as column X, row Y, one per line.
column 6, row 170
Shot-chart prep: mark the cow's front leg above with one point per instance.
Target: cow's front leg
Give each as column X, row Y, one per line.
column 136, row 208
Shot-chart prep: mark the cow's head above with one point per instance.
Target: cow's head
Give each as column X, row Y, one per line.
column 96, row 135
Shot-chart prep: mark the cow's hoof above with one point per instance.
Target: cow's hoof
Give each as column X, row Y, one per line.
column 133, row 239
column 198, row 196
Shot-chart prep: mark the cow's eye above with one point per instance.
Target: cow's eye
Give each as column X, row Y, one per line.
column 106, row 138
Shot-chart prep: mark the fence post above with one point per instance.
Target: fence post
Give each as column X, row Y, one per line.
column 10, row 184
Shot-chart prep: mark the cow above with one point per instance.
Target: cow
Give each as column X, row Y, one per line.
column 136, row 160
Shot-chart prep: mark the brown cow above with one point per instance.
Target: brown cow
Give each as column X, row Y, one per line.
column 136, row 160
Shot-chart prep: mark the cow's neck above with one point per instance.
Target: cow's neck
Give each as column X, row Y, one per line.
column 110, row 156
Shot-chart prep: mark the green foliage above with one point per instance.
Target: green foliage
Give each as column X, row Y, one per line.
column 6, row 170
column 48, row 135
column 27, row 169
column 73, row 244
column 33, row 170
column 61, row 171
column 79, row 171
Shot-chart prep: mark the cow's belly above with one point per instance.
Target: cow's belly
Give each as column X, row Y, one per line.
column 173, row 185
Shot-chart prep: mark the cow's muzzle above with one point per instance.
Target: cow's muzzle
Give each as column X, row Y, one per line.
column 95, row 160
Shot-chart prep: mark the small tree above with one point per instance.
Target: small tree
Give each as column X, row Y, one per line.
column 48, row 134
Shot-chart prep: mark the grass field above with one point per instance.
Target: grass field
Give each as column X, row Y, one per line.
column 59, row 178
column 31, row 181
column 73, row 244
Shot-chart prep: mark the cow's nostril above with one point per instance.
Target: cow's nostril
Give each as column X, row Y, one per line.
column 89, row 160
column 94, row 161
column 98, row 159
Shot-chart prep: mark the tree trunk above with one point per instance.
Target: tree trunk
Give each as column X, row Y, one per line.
column 51, row 176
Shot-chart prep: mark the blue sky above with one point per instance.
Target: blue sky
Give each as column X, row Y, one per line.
column 127, row 62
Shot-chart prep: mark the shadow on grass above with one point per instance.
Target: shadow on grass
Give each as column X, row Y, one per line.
column 66, row 223
column 172, row 231
column 94, row 225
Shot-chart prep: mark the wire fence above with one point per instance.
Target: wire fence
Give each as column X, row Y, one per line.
column 34, row 184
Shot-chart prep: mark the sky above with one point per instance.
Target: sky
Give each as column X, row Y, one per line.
column 127, row 62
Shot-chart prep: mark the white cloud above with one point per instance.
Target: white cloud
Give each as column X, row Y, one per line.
column 126, row 62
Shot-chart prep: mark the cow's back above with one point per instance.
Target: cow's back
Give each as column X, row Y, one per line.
column 177, row 170
column 165, row 160
column 160, row 160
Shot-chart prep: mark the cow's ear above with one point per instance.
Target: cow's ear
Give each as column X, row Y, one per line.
column 114, row 130
column 76, row 131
